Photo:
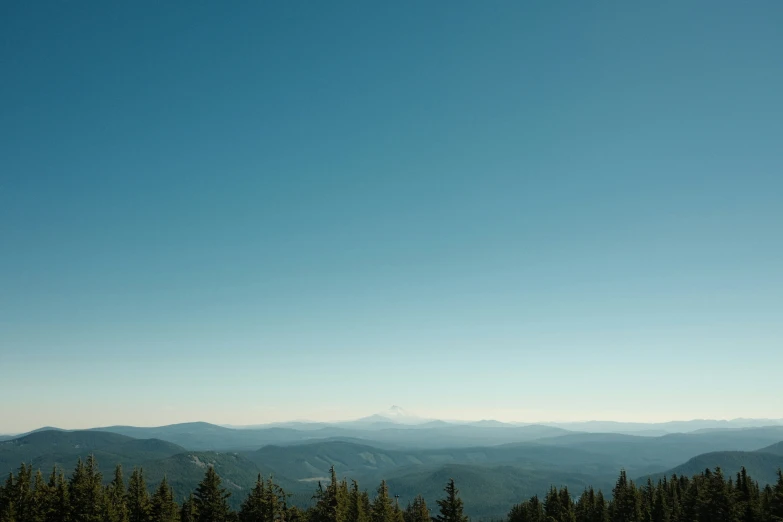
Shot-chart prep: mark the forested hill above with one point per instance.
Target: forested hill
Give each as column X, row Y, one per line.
column 494, row 477
column 44, row 449
column 762, row 466
column 775, row 449
column 85, row 496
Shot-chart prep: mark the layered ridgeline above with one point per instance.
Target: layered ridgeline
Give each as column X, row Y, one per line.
column 492, row 477
column 84, row 497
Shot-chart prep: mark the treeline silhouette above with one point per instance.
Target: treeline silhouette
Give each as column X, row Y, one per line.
column 83, row 497
column 706, row 497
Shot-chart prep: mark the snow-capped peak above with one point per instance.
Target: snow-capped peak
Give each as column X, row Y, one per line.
column 396, row 412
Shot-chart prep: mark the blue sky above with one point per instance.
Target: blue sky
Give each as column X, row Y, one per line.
column 244, row 212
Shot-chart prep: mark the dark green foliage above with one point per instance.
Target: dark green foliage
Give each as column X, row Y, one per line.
column 706, row 497
column 116, row 508
column 187, row 512
column 417, row 511
column 776, row 500
column 253, row 508
column 591, row 507
column 709, row 496
column 87, row 495
column 138, row 498
column 331, row 502
column 163, row 506
column 625, row 501
column 714, row 500
column 529, row 511
column 382, row 508
column 265, row 503
column 211, row 499
column 60, row 503
column 451, row 507
column 49, row 448
column 761, row 465
column 358, row 510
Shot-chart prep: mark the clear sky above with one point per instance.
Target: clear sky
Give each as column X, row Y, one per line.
column 243, row 212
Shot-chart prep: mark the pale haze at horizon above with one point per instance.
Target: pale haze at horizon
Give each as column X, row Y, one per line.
column 259, row 212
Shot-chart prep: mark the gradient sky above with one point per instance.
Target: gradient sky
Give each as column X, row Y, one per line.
column 243, row 212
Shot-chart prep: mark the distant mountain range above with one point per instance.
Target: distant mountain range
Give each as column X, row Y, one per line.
column 396, row 416
column 497, row 464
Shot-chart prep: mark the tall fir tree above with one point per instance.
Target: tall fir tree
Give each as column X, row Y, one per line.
column 330, row 501
column 714, row 499
column 211, row 499
column 776, row 500
column 61, row 507
column 552, row 505
column 116, row 508
column 601, row 513
column 276, row 502
column 660, row 506
column 356, row 511
column 42, row 498
column 266, row 502
column 138, row 497
column 253, row 508
column 451, row 506
column 417, row 511
column 7, row 507
column 625, row 501
column 187, row 512
column 86, row 492
column 22, row 494
column 163, row 508
column 382, row 509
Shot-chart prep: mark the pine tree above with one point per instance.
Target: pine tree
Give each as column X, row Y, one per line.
column 646, row 501
column 451, row 506
column 553, row 508
column 747, row 499
column 714, row 502
column 116, row 509
column 417, row 511
column 356, row 510
column 22, row 495
column 187, row 512
column 294, row 514
column 585, row 505
column 163, row 506
column 329, row 507
column 366, row 505
column 276, row 502
column 382, row 509
column 625, row 502
column 7, row 508
column 61, row 507
column 211, row 500
column 601, row 513
column 567, row 503
column 87, row 496
column 253, row 508
column 531, row 510
column 776, row 499
column 138, row 497
column 660, row 508
column 42, row 498
column 48, row 500
column 397, row 513
column 265, row 503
